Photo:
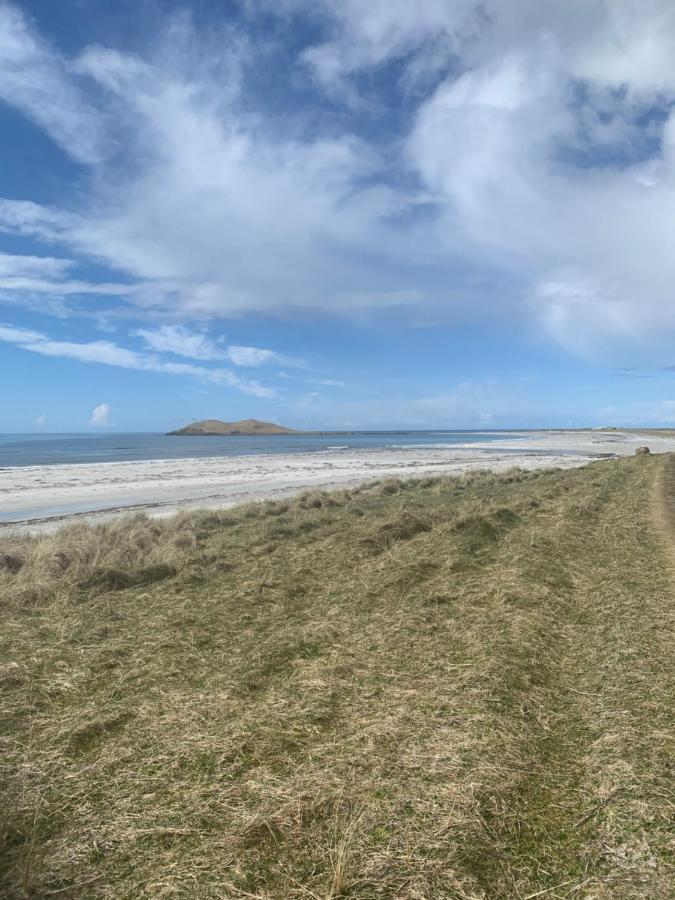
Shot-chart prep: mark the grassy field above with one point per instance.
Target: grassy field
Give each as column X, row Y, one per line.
column 456, row 688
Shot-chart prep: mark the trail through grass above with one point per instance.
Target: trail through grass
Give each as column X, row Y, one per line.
column 454, row 688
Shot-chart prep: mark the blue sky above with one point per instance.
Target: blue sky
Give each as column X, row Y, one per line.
column 336, row 215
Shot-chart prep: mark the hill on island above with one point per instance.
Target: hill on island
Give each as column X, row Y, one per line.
column 246, row 426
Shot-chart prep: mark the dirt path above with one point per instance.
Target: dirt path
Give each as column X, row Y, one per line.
column 611, row 723
column 584, row 684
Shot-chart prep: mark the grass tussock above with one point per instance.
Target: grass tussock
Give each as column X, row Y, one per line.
column 133, row 551
column 441, row 688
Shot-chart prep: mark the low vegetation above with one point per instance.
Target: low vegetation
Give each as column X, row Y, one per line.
column 454, row 688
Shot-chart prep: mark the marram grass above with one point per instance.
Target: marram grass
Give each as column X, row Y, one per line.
column 454, row 688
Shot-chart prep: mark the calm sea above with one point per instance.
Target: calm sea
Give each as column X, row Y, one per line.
column 49, row 449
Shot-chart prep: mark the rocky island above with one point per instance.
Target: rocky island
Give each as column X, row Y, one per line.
column 245, row 426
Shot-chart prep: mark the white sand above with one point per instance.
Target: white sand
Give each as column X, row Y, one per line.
column 44, row 497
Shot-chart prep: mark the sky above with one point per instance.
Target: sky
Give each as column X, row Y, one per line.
column 344, row 214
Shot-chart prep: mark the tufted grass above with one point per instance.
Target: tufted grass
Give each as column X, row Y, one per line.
column 442, row 688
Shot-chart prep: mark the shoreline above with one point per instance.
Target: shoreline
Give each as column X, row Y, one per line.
column 46, row 497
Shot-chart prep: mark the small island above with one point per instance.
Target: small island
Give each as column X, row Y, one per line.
column 246, row 426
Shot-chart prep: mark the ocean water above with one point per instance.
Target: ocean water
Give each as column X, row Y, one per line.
column 61, row 449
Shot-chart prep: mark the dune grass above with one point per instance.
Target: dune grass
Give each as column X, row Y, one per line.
column 450, row 688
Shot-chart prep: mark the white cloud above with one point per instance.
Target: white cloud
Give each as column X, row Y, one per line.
column 236, row 221
column 542, row 141
column 27, row 218
column 21, row 266
column 14, row 335
column 42, row 283
column 104, row 352
column 250, row 356
column 548, row 147
column 100, row 415
column 29, row 285
column 255, row 356
column 626, row 42
column 181, row 341
column 366, row 35
column 498, row 146
column 110, row 354
column 36, row 79
column 40, row 420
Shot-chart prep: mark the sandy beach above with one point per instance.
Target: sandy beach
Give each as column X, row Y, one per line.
column 39, row 498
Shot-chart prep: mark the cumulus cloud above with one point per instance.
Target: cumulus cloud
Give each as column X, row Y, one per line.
column 239, row 220
column 548, row 148
column 100, row 415
column 531, row 176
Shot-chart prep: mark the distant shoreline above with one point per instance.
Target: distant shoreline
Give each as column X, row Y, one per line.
column 43, row 497
column 666, row 432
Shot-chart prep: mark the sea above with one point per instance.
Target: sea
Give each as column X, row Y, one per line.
column 64, row 449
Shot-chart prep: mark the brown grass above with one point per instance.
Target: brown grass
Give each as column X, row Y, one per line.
column 455, row 688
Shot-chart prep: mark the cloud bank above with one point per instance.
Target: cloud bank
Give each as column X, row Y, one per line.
column 526, row 173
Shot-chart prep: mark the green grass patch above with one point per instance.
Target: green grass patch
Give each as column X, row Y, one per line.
column 442, row 688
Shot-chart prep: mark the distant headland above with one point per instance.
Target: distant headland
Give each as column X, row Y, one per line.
column 246, row 426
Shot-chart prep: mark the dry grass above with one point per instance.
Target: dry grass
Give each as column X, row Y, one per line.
column 456, row 688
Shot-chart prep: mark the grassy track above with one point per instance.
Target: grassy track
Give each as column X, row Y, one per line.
column 457, row 688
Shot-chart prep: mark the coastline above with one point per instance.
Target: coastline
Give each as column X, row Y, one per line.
column 45, row 497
